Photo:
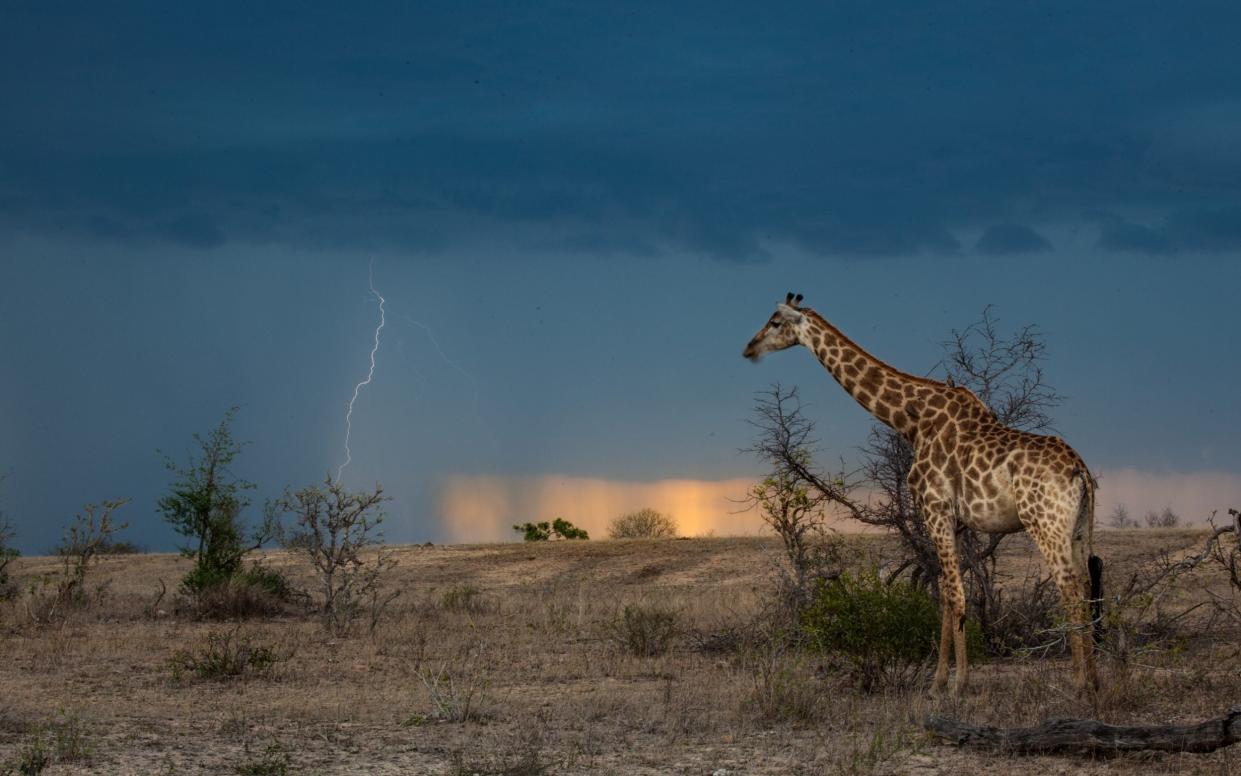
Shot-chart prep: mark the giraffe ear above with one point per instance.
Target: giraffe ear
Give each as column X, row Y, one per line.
column 789, row 313
column 797, row 300
column 788, row 298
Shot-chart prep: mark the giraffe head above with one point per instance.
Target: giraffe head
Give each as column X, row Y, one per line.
column 779, row 332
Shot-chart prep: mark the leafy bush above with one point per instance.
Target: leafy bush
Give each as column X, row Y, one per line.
column 204, row 504
column 544, row 531
column 225, row 655
column 254, row 592
column 887, row 631
column 645, row 630
column 646, row 523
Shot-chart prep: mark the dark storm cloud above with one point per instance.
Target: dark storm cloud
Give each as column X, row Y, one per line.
column 1204, row 230
column 846, row 130
column 1007, row 239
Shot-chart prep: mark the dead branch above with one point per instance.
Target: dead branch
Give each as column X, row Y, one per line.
column 1092, row 736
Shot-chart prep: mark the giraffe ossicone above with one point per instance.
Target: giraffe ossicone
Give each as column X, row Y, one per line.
column 968, row 469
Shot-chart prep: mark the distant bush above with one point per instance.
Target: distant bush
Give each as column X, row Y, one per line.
column 887, row 631
column 646, row 523
column 1119, row 518
column 225, row 655
column 645, row 630
column 1165, row 519
column 557, row 529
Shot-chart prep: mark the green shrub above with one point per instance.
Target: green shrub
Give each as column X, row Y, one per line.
column 225, row 655
column 645, row 630
column 544, row 531
column 886, row 631
column 256, row 591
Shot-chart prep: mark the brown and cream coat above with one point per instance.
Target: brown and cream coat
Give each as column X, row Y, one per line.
column 968, row 470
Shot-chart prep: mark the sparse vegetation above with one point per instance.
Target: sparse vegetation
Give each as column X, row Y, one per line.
column 49, row 596
column 645, row 629
column 646, row 523
column 1165, row 519
column 60, row 740
column 555, row 530
column 1120, row 518
column 224, row 655
column 511, row 656
column 336, row 528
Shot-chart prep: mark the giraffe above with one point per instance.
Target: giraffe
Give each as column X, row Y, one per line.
column 968, row 470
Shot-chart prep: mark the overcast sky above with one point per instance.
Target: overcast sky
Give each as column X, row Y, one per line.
column 592, row 207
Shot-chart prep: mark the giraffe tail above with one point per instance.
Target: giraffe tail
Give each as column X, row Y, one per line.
column 1094, row 563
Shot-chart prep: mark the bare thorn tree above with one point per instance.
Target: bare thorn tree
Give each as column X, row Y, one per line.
column 336, row 528
column 793, row 499
column 1120, row 518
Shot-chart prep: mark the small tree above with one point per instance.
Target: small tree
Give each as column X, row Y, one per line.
column 84, row 540
column 1165, row 519
column 335, row 527
column 204, row 505
column 544, row 531
column 1119, row 518
column 646, row 523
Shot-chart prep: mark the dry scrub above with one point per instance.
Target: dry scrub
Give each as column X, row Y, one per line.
column 517, row 659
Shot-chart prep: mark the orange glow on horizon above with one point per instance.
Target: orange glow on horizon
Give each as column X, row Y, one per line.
column 478, row 508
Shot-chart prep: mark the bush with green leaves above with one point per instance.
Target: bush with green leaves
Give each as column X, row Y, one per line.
column 886, row 631
column 205, row 503
column 544, row 531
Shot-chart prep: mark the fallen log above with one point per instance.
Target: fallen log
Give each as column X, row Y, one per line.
column 1092, row 736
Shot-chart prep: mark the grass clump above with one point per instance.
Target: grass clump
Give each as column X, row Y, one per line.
column 645, row 630
column 275, row 761
column 226, row 655
column 58, row 741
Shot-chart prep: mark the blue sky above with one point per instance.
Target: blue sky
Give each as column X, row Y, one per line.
column 592, row 207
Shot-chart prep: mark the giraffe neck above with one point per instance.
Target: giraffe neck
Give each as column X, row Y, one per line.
column 887, row 393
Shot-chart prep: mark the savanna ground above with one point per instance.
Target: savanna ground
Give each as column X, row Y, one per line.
column 504, row 659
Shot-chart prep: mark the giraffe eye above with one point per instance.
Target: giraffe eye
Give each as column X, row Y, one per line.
column 775, row 324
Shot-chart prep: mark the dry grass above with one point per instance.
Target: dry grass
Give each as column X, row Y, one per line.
column 504, row 659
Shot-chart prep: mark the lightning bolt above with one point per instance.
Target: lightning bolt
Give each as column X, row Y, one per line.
column 358, row 388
